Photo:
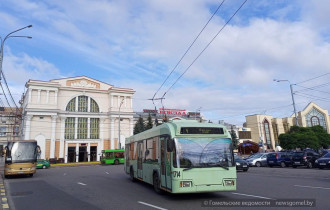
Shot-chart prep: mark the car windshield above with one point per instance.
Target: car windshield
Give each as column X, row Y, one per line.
column 327, row 155
column 22, row 152
column 203, row 152
column 298, row 154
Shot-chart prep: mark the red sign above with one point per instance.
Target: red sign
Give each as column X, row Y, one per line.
column 173, row 111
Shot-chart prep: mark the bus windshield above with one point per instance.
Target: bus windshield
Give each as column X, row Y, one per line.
column 22, row 152
column 203, row 153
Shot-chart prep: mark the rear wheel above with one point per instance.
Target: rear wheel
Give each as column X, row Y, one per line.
column 258, row 164
column 309, row 165
column 283, row 165
column 131, row 175
column 44, row 167
column 116, row 162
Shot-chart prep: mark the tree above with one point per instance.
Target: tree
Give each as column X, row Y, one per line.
column 149, row 123
column 139, row 126
column 301, row 137
column 234, row 137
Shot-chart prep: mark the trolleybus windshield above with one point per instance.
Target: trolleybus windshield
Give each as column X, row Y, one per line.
column 203, row 153
column 22, row 152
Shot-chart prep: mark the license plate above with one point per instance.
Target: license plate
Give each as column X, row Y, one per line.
column 20, row 172
column 322, row 164
column 244, row 166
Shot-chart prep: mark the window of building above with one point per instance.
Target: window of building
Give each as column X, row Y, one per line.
column 69, row 128
column 94, row 128
column 82, row 104
column 82, row 128
column 71, row 107
column 267, row 133
column 315, row 117
column 3, row 131
column 94, row 106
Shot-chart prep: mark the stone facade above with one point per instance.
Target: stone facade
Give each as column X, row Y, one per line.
column 265, row 128
column 74, row 119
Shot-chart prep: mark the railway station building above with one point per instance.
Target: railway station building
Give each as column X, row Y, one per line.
column 265, row 128
column 74, row 119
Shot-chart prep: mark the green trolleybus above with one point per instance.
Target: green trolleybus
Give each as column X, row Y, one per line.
column 112, row 156
column 182, row 156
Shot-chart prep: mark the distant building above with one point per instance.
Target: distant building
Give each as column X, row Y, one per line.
column 267, row 128
column 169, row 113
column 74, row 119
column 10, row 120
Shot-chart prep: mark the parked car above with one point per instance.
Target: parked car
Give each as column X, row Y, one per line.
column 305, row 158
column 323, row 162
column 250, row 156
column 282, row 159
column 43, row 164
column 241, row 165
column 259, row 159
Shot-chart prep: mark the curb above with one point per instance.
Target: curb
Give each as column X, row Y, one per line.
column 74, row 164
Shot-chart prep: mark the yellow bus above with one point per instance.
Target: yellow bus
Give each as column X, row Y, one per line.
column 21, row 157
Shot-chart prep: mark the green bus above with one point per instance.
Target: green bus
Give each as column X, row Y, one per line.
column 112, row 156
column 182, row 156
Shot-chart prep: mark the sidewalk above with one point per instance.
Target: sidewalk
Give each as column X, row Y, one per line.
column 3, row 194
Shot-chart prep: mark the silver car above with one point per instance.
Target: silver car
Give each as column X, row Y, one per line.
column 259, row 159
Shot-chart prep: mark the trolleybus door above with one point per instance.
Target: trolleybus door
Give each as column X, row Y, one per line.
column 165, row 163
column 139, row 159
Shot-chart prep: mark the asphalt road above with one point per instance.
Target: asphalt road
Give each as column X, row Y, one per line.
column 108, row 187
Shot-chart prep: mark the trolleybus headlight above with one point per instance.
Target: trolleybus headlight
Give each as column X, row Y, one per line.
column 229, row 182
column 32, row 168
column 185, row 184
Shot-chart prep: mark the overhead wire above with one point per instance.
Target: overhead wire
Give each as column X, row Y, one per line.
column 188, row 48
column 204, row 48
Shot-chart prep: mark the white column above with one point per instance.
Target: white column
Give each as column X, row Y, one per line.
column 38, row 99
column 98, row 152
column 112, row 133
column 53, row 137
column 30, row 95
column 125, row 101
column 77, row 152
column 111, row 96
column 131, row 126
column 89, row 104
column 88, row 127
column 47, row 96
column 56, row 96
column 89, row 152
column 61, row 149
column 77, row 104
column 131, row 102
column 66, row 152
column 27, row 126
column 102, row 121
column 76, row 128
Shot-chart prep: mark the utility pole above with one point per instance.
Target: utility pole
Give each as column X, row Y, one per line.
column 293, row 102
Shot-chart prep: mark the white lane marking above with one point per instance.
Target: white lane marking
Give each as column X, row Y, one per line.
column 253, row 196
column 107, row 172
column 324, row 188
column 81, row 183
column 147, row 204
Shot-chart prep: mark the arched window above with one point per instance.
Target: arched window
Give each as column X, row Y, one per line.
column 315, row 117
column 82, row 127
column 84, row 102
column 267, row 133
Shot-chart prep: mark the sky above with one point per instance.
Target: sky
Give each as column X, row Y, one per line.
column 137, row 44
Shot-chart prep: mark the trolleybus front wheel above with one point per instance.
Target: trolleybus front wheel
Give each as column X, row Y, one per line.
column 131, row 175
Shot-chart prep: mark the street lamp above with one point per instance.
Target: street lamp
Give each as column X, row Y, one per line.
column 121, row 103
column 3, row 42
column 293, row 103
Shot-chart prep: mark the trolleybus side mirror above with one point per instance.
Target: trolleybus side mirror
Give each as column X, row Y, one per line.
column 170, row 145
